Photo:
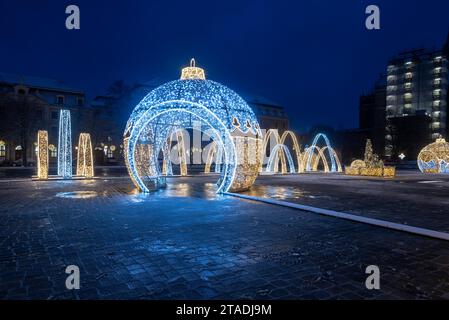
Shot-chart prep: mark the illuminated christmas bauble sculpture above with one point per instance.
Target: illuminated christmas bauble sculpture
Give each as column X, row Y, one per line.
column 434, row 158
column 179, row 104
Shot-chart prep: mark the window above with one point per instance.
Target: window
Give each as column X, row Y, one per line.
column 53, row 152
column 408, row 75
column 2, row 148
column 60, row 99
column 408, row 85
column 54, row 115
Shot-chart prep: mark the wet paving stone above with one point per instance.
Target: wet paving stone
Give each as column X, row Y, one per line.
column 185, row 242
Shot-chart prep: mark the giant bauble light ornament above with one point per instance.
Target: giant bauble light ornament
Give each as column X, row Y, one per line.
column 65, row 145
column 177, row 105
column 434, row 158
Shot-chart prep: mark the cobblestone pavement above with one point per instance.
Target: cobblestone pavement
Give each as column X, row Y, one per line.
column 411, row 198
column 186, row 242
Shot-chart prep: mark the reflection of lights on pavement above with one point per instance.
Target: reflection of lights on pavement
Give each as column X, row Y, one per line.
column 77, row 194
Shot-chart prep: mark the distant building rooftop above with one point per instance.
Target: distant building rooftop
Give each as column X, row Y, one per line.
column 261, row 101
column 37, row 82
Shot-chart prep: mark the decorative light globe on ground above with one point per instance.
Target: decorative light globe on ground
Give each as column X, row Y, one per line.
column 179, row 104
column 434, row 158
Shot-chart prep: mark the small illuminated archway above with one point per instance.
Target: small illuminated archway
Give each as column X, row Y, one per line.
column 213, row 152
column 167, row 168
column 296, row 147
column 277, row 151
column 268, row 135
column 311, row 158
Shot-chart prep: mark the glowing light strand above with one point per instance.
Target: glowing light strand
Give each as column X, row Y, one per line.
column 274, row 158
column 65, row 145
column 434, row 158
column 311, row 150
column 42, row 154
column 85, row 160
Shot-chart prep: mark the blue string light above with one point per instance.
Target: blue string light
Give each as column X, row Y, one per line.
column 65, row 145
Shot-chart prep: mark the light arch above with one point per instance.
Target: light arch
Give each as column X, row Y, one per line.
column 167, row 168
column 274, row 158
column 311, row 151
column 296, row 147
column 275, row 134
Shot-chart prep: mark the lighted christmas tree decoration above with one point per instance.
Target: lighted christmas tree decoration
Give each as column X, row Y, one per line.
column 314, row 154
column 370, row 166
column 65, row 145
column 177, row 105
column 434, row 158
column 42, row 154
column 85, row 160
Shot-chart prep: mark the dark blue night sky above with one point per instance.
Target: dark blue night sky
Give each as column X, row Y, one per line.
column 313, row 57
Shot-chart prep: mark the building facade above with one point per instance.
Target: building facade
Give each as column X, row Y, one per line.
column 408, row 108
column 269, row 114
column 29, row 104
column 416, row 94
column 372, row 116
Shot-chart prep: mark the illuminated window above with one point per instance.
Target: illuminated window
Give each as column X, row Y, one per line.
column 18, row 148
column 2, row 148
column 53, row 152
column 391, row 78
column 408, row 96
column 408, row 85
column 408, row 75
column 437, row 81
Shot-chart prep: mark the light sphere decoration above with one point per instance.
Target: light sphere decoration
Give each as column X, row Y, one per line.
column 176, row 105
column 434, row 158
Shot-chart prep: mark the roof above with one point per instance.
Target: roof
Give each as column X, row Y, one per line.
column 37, row 82
column 260, row 100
